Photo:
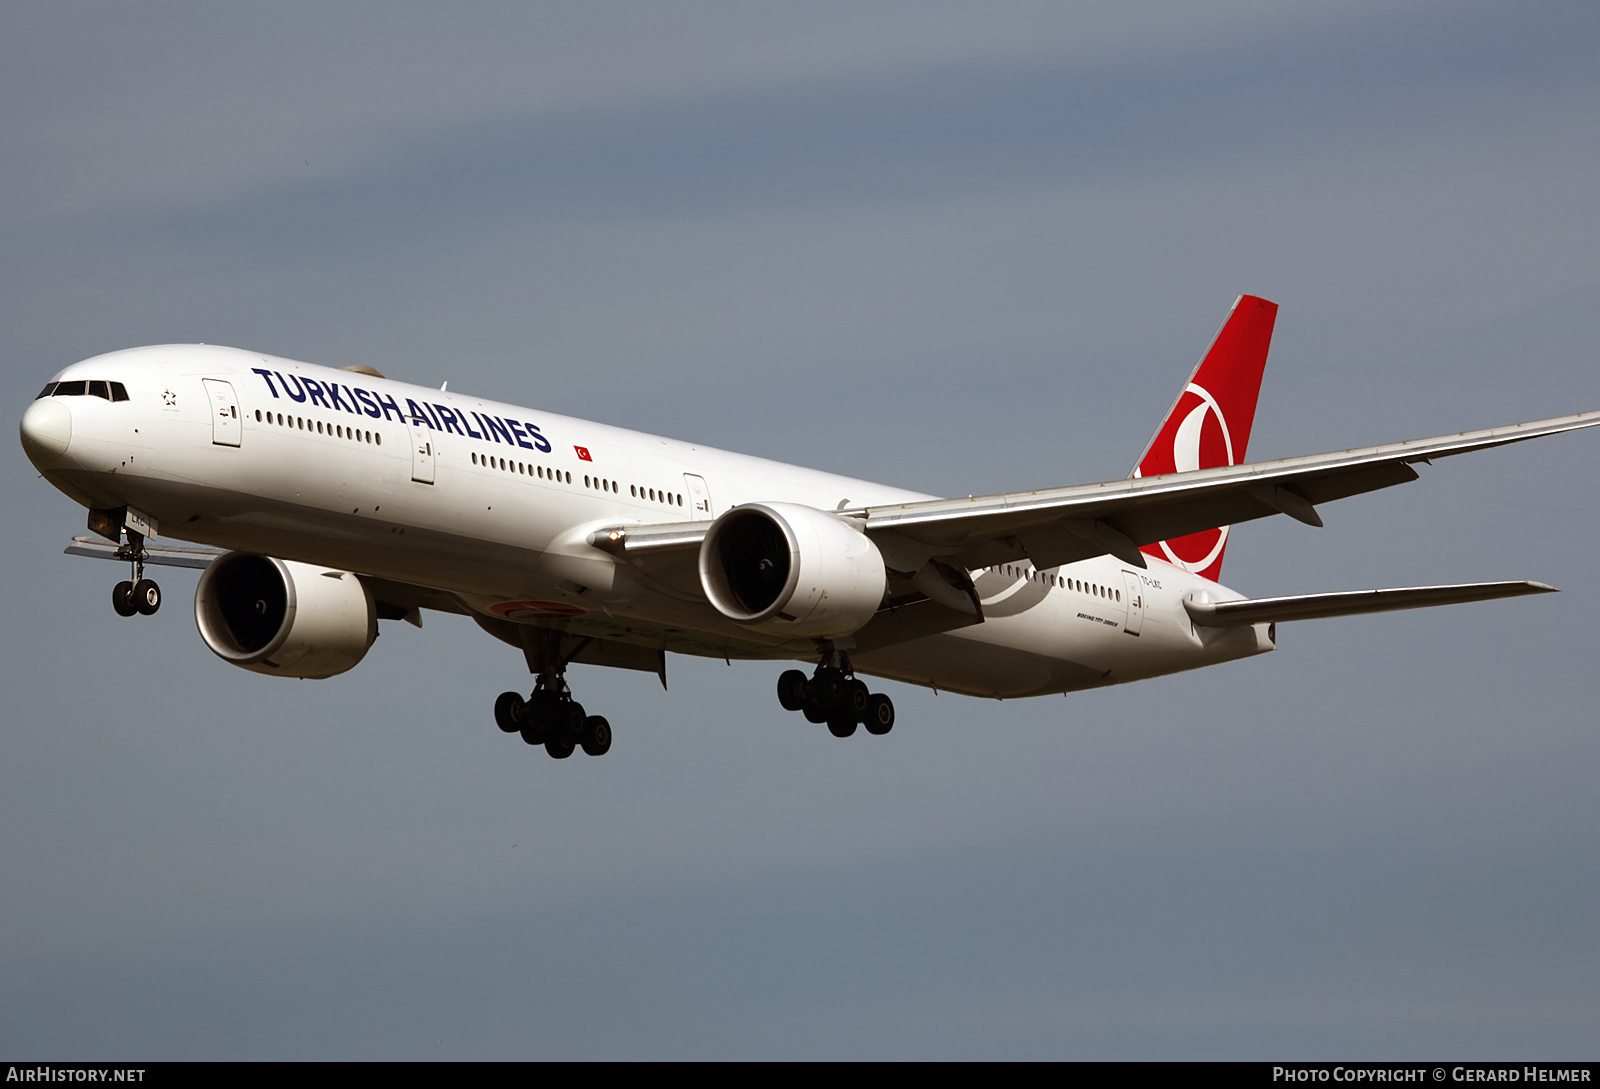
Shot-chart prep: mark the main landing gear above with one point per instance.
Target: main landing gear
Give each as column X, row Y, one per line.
column 140, row 595
column 552, row 718
column 833, row 695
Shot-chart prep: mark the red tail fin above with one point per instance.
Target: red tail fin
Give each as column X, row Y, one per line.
column 1209, row 424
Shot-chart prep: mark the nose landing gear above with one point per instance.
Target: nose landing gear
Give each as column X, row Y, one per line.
column 834, row 696
column 141, row 595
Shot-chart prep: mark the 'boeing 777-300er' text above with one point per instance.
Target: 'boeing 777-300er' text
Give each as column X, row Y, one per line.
column 339, row 498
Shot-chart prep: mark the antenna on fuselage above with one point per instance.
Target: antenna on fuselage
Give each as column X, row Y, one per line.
column 446, row 387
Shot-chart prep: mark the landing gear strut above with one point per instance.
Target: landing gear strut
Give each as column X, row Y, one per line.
column 141, row 595
column 552, row 718
column 833, row 695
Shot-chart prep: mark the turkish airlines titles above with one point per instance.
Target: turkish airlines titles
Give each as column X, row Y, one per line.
column 379, row 406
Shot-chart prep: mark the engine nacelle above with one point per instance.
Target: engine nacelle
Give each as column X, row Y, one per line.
column 283, row 618
column 791, row 570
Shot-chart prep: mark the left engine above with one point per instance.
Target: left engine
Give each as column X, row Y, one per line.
column 283, row 618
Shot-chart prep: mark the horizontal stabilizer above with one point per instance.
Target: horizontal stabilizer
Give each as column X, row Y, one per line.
column 1266, row 610
column 161, row 556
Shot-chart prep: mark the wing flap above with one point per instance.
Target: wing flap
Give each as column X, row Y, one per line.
column 1268, row 610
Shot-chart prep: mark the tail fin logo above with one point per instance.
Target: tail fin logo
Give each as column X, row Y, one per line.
column 1195, row 446
column 1186, row 456
column 1209, row 424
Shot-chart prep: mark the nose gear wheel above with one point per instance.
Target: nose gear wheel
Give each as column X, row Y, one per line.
column 139, row 596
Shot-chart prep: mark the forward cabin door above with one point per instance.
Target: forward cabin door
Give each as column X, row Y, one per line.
column 1133, row 587
column 225, row 424
column 699, row 495
column 421, row 452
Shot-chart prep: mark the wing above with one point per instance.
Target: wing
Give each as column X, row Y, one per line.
column 394, row 600
column 1056, row 526
column 195, row 556
column 1063, row 525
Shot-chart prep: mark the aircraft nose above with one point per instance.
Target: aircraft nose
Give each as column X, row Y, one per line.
column 46, row 432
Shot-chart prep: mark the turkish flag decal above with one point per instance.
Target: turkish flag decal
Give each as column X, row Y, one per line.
column 583, row 453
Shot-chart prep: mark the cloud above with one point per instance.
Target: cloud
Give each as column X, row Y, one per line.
column 116, row 109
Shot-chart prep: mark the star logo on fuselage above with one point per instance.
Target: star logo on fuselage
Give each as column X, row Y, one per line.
column 169, row 398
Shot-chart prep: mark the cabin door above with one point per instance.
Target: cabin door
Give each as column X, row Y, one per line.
column 1133, row 587
column 699, row 495
column 225, row 425
column 421, row 452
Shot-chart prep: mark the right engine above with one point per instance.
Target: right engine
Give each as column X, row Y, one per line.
column 791, row 569
column 283, row 618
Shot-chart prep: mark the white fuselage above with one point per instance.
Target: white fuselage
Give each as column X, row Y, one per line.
column 494, row 504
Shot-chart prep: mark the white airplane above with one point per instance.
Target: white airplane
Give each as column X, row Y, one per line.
column 339, row 498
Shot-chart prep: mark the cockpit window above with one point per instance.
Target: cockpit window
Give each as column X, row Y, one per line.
column 110, row 391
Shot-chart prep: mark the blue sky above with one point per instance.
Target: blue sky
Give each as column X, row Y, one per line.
column 957, row 247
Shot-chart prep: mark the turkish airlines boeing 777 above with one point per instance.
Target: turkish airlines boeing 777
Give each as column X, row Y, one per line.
column 339, row 498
